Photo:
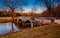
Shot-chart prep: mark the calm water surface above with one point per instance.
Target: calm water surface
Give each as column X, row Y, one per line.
column 7, row 27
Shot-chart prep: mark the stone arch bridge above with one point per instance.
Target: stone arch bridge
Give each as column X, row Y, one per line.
column 36, row 20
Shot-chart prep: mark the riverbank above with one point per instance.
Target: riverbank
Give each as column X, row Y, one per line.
column 5, row 19
column 46, row 31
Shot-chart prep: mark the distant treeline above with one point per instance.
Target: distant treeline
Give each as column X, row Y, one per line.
column 55, row 12
column 8, row 14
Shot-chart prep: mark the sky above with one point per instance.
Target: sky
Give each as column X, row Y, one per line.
column 29, row 4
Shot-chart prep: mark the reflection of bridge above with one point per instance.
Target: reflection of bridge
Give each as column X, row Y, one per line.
column 36, row 20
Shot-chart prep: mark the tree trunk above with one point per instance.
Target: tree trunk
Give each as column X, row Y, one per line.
column 12, row 20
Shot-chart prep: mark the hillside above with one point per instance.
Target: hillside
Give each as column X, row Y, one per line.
column 46, row 31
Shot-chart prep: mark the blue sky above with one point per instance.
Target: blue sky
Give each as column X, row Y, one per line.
column 40, row 6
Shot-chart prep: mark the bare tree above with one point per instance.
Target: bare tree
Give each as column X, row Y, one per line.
column 12, row 5
column 48, row 4
column 21, row 9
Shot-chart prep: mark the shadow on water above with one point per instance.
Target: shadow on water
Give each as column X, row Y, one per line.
column 7, row 27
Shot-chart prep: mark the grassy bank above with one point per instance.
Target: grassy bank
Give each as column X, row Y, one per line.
column 46, row 31
column 6, row 19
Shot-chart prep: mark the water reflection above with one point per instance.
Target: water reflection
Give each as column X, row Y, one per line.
column 7, row 27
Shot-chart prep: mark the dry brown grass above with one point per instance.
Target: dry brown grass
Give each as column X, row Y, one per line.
column 46, row 31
